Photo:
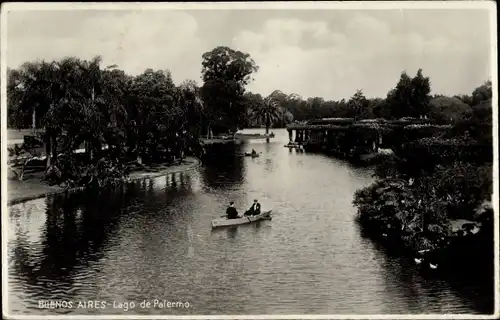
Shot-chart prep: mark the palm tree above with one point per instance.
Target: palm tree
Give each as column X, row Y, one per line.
column 268, row 112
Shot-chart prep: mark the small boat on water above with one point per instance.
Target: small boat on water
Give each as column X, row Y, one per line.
column 253, row 136
column 248, row 154
column 224, row 222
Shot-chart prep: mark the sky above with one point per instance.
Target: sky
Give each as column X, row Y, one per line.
column 325, row 53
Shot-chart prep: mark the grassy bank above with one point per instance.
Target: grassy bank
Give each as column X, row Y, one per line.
column 32, row 187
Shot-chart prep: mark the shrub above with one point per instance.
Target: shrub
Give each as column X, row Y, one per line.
column 437, row 150
column 403, row 212
column 463, row 186
column 71, row 171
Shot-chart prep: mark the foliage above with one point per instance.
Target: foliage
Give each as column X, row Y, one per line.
column 397, row 209
column 418, row 213
column 356, row 104
column 482, row 93
column 436, row 150
column 463, row 185
column 267, row 112
column 446, row 110
column 438, row 173
column 226, row 64
column 225, row 73
column 410, row 97
column 116, row 117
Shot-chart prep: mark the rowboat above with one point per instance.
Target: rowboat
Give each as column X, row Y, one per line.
column 248, row 154
column 252, row 136
column 224, row 222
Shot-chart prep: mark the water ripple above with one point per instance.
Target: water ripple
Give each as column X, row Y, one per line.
column 152, row 240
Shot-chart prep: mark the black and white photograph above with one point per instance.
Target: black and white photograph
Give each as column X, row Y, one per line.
column 249, row 160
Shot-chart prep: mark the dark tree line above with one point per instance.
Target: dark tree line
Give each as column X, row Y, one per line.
column 411, row 97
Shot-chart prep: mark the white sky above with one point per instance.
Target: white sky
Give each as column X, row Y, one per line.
column 326, row 53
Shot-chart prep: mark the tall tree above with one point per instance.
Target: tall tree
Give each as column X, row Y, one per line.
column 420, row 97
column 225, row 73
column 155, row 113
column 410, row 97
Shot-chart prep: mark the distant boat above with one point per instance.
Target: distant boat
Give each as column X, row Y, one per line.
column 248, row 154
column 433, row 266
column 251, row 136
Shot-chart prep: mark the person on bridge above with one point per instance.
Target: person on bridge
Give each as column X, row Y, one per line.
column 231, row 211
column 254, row 209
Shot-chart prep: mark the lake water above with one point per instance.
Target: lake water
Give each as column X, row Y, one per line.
column 153, row 240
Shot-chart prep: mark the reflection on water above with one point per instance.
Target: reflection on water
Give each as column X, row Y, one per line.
column 152, row 239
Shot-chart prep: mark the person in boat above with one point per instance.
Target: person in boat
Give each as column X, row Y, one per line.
column 231, row 212
column 254, row 153
column 254, row 209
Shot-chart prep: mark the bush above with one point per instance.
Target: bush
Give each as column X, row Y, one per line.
column 401, row 211
column 463, row 186
column 416, row 213
column 436, row 150
column 70, row 171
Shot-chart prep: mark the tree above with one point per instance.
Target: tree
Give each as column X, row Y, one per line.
column 287, row 117
column 410, row 97
column 357, row 104
column 280, row 97
column 155, row 114
column 296, row 106
column 225, row 73
column 188, row 95
column 465, row 99
column 482, row 93
column 380, row 108
column 44, row 89
column 480, row 123
column 224, row 63
column 252, row 102
column 420, row 97
column 268, row 112
column 448, row 110
column 314, row 107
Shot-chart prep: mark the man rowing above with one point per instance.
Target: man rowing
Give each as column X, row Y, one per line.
column 231, row 212
column 254, row 209
column 254, row 153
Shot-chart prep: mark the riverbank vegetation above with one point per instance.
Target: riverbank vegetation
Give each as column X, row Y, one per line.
column 433, row 193
column 94, row 124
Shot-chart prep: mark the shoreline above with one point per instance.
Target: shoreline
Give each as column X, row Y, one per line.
column 31, row 189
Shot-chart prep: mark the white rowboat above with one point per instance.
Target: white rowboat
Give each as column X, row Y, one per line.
column 224, row 222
